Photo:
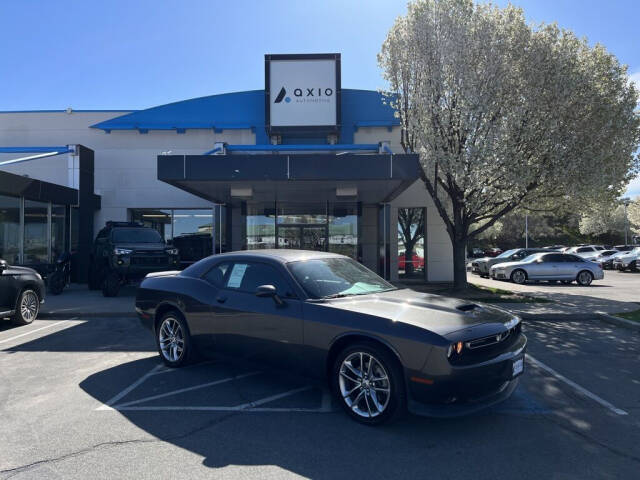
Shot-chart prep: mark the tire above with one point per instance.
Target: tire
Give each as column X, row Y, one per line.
column 584, row 278
column 519, row 276
column 111, row 285
column 360, row 402
column 56, row 283
column 633, row 266
column 94, row 280
column 27, row 307
column 171, row 334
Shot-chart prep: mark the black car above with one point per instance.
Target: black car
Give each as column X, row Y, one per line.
column 124, row 252
column 21, row 293
column 381, row 348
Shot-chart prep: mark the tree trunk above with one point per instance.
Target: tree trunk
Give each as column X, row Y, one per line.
column 408, row 260
column 459, row 264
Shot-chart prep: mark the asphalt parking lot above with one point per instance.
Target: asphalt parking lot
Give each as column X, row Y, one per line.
column 89, row 398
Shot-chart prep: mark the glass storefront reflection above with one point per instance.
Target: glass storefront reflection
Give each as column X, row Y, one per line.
column 58, row 230
column 315, row 226
column 10, row 229
column 411, row 261
column 36, row 249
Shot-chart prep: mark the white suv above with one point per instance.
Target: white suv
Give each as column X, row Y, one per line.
column 588, row 252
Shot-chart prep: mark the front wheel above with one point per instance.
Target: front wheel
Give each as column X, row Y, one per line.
column 519, row 276
column 584, row 278
column 174, row 341
column 367, row 382
column 27, row 308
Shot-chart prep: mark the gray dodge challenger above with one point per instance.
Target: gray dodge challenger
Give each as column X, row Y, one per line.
column 382, row 349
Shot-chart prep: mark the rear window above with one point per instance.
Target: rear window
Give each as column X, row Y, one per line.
column 135, row 235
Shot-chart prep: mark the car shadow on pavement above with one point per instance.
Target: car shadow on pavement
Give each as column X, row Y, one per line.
column 325, row 443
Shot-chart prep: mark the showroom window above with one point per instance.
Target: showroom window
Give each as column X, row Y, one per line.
column 10, row 229
column 36, row 235
column 58, row 227
column 411, row 254
column 197, row 233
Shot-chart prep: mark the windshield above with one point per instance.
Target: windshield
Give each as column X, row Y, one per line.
column 136, row 235
column 508, row 253
column 337, row 277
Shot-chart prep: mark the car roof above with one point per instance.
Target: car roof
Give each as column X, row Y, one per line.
column 283, row 255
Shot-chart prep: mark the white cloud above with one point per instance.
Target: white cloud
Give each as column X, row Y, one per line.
column 635, row 78
column 633, row 189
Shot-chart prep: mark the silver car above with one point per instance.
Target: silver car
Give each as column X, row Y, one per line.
column 549, row 266
column 481, row 266
column 627, row 260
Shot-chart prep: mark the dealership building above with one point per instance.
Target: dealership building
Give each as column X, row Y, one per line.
column 302, row 163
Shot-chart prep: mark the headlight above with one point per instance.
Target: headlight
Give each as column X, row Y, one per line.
column 122, row 251
column 172, row 251
column 454, row 347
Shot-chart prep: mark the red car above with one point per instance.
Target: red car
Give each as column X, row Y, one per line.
column 493, row 252
column 418, row 262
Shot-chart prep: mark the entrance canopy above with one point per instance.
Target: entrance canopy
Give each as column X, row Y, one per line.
column 369, row 178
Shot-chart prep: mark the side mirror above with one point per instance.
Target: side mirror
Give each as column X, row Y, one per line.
column 3, row 265
column 264, row 291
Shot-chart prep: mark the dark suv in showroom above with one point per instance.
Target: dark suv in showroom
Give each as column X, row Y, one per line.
column 125, row 252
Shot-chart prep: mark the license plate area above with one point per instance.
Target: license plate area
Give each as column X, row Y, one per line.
column 517, row 367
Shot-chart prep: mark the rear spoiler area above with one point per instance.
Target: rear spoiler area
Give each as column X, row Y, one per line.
column 171, row 273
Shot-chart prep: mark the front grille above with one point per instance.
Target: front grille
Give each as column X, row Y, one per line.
column 150, row 261
column 486, row 348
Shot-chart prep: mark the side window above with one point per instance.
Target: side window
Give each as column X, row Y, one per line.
column 584, row 249
column 553, row 258
column 215, row 276
column 247, row 277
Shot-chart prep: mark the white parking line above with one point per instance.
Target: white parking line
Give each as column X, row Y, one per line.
column 107, row 405
column 183, row 390
column 33, row 331
column 575, row 386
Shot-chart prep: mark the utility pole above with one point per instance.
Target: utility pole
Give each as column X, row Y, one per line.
column 526, row 231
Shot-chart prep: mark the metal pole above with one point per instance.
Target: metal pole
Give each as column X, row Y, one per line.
column 526, row 231
column 626, row 223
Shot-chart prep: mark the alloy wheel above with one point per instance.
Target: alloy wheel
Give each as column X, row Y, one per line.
column 519, row 276
column 584, row 278
column 29, row 306
column 364, row 384
column 171, row 339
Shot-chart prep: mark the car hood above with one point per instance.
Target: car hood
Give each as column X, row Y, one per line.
column 438, row 314
column 14, row 270
column 510, row 264
column 141, row 247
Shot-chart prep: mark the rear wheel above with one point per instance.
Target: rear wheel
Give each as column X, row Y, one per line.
column 584, row 278
column 174, row 341
column 27, row 307
column 519, row 276
column 367, row 382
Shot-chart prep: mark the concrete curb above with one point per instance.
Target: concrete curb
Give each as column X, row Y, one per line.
column 619, row 321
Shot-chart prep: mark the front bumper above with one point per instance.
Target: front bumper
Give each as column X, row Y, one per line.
column 468, row 388
column 498, row 274
column 479, row 268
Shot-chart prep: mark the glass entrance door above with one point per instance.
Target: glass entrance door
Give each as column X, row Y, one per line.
column 304, row 237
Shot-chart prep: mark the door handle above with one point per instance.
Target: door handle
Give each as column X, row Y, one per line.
column 221, row 299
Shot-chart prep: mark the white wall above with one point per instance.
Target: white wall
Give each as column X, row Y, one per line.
column 126, row 171
column 438, row 249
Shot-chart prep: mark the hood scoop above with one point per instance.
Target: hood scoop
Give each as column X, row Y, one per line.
column 468, row 307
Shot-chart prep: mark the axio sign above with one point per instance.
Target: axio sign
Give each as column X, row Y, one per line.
column 302, row 92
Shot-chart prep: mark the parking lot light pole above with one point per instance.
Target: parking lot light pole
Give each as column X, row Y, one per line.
column 625, row 202
column 526, row 231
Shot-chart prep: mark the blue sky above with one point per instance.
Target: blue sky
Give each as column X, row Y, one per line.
column 120, row 54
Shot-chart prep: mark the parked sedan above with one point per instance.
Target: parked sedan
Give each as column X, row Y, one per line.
column 481, row 266
column 628, row 260
column 21, row 292
column 549, row 266
column 381, row 348
column 605, row 259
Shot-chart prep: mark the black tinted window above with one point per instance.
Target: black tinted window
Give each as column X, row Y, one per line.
column 573, row 258
column 247, row 277
column 553, row 258
column 584, row 249
column 136, row 235
column 215, row 276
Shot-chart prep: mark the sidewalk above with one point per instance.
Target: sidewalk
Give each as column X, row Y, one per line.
column 78, row 300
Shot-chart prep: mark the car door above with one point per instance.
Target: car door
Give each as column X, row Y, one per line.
column 573, row 265
column 259, row 328
column 545, row 267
